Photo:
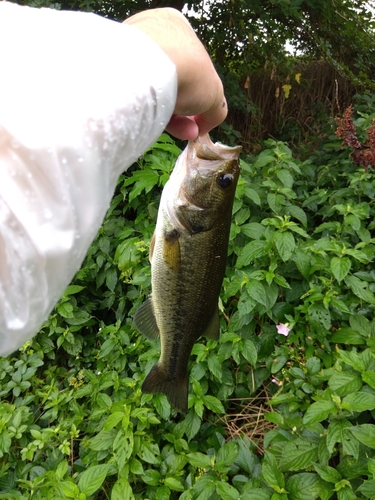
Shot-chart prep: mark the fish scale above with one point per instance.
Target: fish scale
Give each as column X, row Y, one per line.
column 188, row 259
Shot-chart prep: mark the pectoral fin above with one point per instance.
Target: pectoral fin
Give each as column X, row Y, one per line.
column 145, row 321
column 171, row 249
column 213, row 330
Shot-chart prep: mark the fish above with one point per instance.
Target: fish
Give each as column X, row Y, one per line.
column 188, row 254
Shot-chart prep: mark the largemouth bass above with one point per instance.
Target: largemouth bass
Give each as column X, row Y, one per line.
column 188, row 258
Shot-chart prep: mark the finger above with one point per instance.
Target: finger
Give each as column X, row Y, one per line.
column 212, row 118
column 183, row 127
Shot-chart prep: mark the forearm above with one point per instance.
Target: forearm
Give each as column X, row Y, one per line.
column 81, row 98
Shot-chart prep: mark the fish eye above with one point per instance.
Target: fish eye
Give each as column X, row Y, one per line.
column 225, row 180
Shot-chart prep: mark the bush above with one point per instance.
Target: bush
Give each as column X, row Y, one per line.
column 271, row 416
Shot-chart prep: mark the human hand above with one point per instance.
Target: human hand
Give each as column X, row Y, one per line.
column 200, row 104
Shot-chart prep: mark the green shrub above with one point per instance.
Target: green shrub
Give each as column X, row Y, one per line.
column 73, row 421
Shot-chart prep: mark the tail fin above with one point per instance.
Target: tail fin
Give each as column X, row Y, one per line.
column 176, row 390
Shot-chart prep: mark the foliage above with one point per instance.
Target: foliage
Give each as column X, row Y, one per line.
column 243, row 34
column 251, row 43
column 73, row 421
column 363, row 154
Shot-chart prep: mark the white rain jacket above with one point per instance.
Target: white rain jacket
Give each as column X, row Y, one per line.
column 81, row 97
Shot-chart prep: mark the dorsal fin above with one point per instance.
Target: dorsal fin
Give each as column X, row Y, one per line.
column 213, row 329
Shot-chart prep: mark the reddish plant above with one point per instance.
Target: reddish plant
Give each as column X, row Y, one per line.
column 363, row 154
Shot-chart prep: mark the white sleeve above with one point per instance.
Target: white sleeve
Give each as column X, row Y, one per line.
column 81, row 97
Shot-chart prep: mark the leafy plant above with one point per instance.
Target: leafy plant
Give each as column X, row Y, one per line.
column 74, row 423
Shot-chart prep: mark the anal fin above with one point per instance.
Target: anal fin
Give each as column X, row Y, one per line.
column 145, row 321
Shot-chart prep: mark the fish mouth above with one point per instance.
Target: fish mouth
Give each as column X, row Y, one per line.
column 204, row 159
column 203, row 148
column 201, row 158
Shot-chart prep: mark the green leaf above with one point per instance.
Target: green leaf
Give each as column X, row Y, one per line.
column 298, row 454
column 227, row 454
column 336, row 433
column 320, row 314
column 213, row 404
column 353, row 359
column 92, row 479
column 250, row 252
column 358, row 255
column 121, row 490
column 72, row 289
column 151, row 477
column 192, row 423
column 249, row 351
column 344, row 383
column 275, row 202
column 347, row 336
column 256, row 494
column 319, row 411
column 264, row 158
column 174, row 484
column 277, row 364
column 340, row 305
column 346, row 494
column 271, row 473
column 285, row 244
column 313, row 365
column 65, row 309
column 252, row 195
column 204, row 487
column 61, row 470
column 285, row 177
column 296, row 229
column 107, row 347
column 359, row 288
column 257, row 292
column 280, row 280
column 274, row 418
column 150, row 453
column 113, row 420
column 135, row 467
column 199, row 460
column 253, row 230
column 226, row 491
column 352, row 221
column 359, row 401
column 103, row 441
column 111, row 278
column 128, row 254
column 368, row 376
column 297, row 213
column 143, row 180
column 360, row 324
column 365, row 433
column 215, row 366
column 5, row 441
column 340, row 267
column 308, row 486
column 350, row 447
column 303, row 263
column 328, row 473
column 163, row 492
column 367, row 488
column 69, row 489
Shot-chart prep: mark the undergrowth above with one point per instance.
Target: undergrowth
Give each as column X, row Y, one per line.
column 272, row 416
